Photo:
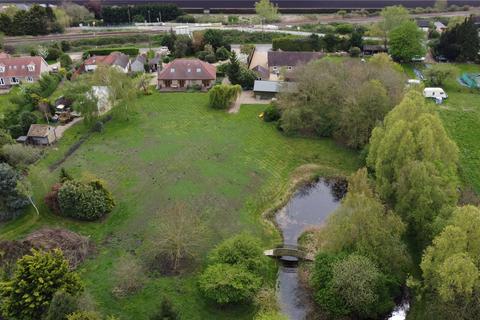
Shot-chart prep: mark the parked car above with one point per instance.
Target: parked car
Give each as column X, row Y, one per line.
column 434, row 93
column 418, row 59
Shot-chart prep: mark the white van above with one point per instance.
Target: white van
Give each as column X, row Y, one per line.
column 434, row 93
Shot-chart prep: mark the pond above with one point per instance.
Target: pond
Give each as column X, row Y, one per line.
column 309, row 207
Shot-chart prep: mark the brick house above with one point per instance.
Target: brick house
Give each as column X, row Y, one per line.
column 16, row 70
column 115, row 59
column 180, row 74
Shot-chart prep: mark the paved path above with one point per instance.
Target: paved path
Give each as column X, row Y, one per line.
column 246, row 97
column 60, row 130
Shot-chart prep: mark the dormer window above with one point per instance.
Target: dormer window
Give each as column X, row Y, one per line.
column 199, row 70
column 14, row 67
column 31, row 67
column 172, row 70
column 2, row 68
column 189, row 70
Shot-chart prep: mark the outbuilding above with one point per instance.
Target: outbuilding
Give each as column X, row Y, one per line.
column 39, row 134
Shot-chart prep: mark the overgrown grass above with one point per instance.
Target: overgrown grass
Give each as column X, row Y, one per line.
column 174, row 149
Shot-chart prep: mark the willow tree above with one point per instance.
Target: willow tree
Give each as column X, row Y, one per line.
column 415, row 165
column 222, row 96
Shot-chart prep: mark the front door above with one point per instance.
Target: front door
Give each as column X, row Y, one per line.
column 182, row 83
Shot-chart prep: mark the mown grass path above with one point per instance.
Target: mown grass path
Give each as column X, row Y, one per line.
column 175, row 149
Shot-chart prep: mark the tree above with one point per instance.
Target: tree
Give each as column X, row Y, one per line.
column 37, row 278
column 229, row 284
column 85, row 315
column 182, row 46
column 221, row 96
column 214, row 38
column 440, row 5
column 438, row 73
column 450, row 266
column 222, row 53
column 76, row 13
column 233, row 69
column 11, row 200
column 392, row 17
column 177, row 238
column 65, row 61
column 460, row 43
column 415, row 165
column 85, row 201
column 362, row 225
column 267, row 11
column 405, row 42
column 355, row 280
column 143, row 83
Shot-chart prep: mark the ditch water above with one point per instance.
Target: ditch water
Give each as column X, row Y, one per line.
column 309, row 207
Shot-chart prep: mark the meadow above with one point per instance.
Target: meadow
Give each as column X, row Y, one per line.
column 174, row 149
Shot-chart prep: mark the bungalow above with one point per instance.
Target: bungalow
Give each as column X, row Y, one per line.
column 139, row 63
column 14, row 70
column 183, row 73
column 155, row 63
column 289, row 60
column 115, row 59
column 39, row 134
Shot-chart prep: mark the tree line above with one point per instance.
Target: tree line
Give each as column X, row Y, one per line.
column 35, row 21
column 149, row 13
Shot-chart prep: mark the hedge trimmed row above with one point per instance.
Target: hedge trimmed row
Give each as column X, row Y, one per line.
column 131, row 51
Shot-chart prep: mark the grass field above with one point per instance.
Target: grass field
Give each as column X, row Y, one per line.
column 175, row 149
column 5, row 104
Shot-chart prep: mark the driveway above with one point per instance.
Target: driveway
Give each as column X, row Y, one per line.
column 60, row 130
column 246, row 97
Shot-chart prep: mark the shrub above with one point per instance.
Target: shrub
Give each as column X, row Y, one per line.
column 225, row 284
column 186, row 18
column 11, row 200
column 222, row 96
column 210, row 58
column 129, row 276
column 85, row 201
column 241, row 250
column 98, row 126
column 61, row 306
column 28, row 294
column 53, row 53
column 167, row 311
column 84, row 315
column 222, row 53
column 65, row 61
column 18, row 155
column 355, row 52
column 271, row 113
column 5, row 138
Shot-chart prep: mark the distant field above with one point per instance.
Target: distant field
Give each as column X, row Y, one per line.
column 175, row 149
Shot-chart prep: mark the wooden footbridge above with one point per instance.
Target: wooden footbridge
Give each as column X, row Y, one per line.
column 286, row 252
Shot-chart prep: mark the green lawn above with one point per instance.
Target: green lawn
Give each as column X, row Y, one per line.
column 175, row 149
column 461, row 116
column 5, row 104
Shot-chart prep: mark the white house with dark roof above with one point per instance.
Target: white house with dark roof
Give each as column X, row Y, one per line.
column 16, row 70
column 289, row 60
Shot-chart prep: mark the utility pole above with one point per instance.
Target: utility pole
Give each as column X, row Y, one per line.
column 149, row 20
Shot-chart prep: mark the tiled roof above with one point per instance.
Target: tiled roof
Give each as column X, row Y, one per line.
column 263, row 72
column 38, row 130
column 188, row 69
column 18, row 66
column 291, row 58
column 114, row 58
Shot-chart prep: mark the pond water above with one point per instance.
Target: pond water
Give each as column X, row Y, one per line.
column 309, row 206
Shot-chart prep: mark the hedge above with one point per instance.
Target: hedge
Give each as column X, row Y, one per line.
column 131, row 51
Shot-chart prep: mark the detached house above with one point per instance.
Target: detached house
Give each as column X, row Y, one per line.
column 15, row 70
column 183, row 73
column 39, row 134
column 115, row 59
column 288, row 60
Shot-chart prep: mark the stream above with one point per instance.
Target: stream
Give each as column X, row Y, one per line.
column 308, row 207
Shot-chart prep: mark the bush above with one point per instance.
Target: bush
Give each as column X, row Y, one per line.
column 229, row 284
column 131, row 51
column 242, row 250
column 167, row 311
column 11, row 200
column 65, row 61
column 98, row 126
column 210, row 58
column 65, row 45
column 272, row 113
column 222, row 53
column 53, row 53
column 28, row 294
column 85, row 201
column 222, row 96
column 61, row 306
column 129, row 277
column 18, row 155
column 85, row 315
column 355, row 52
column 186, row 18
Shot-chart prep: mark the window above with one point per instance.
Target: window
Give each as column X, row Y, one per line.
column 14, row 80
column 189, row 70
column 2, row 68
column 14, row 67
column 31, row 67
column 29, row 79
column 2, row 82
column 172, row 70
column 23, row 67
column 199, row 70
